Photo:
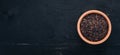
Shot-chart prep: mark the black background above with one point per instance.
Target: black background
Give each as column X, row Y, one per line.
column 48, row 27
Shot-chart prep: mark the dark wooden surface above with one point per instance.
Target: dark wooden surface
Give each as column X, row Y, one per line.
column 48, row 27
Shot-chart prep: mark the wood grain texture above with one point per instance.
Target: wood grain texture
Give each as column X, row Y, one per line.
column 42, row 27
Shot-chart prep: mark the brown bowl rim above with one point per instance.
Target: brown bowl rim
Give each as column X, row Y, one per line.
column 97, row 12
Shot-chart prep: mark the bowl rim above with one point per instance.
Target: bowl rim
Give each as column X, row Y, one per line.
column 108, row 22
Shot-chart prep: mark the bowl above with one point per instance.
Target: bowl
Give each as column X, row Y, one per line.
column 94, row 27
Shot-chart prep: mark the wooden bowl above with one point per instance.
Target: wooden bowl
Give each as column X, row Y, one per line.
column 94, row 27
